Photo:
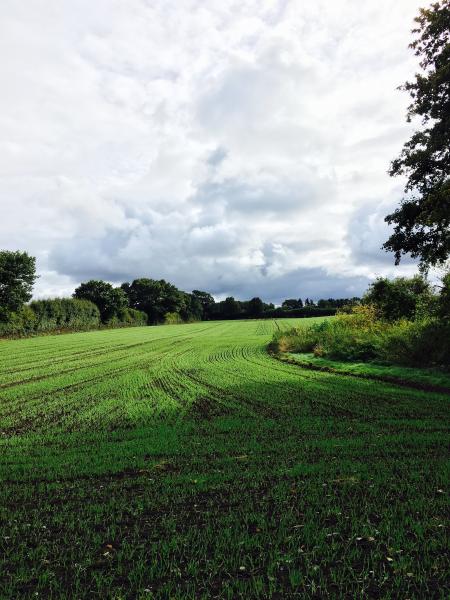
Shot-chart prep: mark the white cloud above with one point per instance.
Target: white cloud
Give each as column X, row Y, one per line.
column 240, row 147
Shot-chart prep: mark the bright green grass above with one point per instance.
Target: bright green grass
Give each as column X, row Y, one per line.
column 423, row 377
column 184, row 462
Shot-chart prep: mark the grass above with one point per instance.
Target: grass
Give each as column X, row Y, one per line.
column 425, row 378
column 184, row 462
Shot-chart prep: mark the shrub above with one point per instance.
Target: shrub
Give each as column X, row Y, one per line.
column 360, row 336
column 417, row 343
column 172, row 318
column 398, row 298
column 43, row 316
column 21, row 322
column 65, row 313
column 128, row 317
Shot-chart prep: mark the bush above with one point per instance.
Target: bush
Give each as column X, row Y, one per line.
column 417, row 343
column 172, row 318
column 65, row 313
column 21, row 322
column 346, row 337
column 128, row 317
column 361, row 336
column 59, row 314
column 399, row 298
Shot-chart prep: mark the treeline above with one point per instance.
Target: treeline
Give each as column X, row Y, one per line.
column 97, row 303
column 163, row 302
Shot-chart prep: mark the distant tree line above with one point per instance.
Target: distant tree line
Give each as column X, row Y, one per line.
column 163, row 302
column 97, row 303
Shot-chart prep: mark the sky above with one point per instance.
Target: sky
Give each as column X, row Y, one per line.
column 239, row 147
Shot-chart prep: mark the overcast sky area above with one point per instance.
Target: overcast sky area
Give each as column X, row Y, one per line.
column 237, row 147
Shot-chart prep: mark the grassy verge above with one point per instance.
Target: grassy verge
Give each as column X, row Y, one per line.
column 426, row 379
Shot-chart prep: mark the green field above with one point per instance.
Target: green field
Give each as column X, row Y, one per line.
column 184, row 462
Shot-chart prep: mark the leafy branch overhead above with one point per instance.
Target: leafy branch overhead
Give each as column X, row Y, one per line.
column 421, row 223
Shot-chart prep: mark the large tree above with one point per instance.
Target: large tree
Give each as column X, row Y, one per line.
column 154, row 297
column 255, row 307
column 421, row 223
column 292, row 303
column 17, row 276
column 110, row 300
column 206, row 301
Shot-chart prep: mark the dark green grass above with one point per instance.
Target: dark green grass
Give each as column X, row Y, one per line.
column 185, row 462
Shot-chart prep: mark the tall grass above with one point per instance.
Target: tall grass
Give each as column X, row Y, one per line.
column 361, row 336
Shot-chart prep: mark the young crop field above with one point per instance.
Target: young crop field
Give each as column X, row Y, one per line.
column 184, row 462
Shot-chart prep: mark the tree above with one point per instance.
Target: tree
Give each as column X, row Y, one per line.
column 291, row 304
column 397, row 298
column 231, row 307
column 444, row 298
column 337, row 302
column 154, row 297
column 421, row 223
column 206, row 301
column 192, row 309
column 255, row 307
column 17, row 277
column 109, row 300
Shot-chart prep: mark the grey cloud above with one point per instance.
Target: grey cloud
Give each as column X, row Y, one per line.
column 367, row 232
column 262, row 196
column 233, row 155
column 217, row 157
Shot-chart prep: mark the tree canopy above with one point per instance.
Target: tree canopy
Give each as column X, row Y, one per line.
column 154, row 297
column 397, row 298
column 110, row 300
column 421, row 223
column 292, row 303
column 17, row 277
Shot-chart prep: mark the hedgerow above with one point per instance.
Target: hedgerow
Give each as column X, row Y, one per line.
column 64, row 314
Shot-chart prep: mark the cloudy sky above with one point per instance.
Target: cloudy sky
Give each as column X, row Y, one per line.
column 235, row 146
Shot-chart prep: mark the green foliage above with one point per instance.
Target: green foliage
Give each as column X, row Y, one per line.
column 172, row 318
column 255, row 307
column 206, row 301
column 231, row 307
column 191, row 309
column 428, row 379
column 338, row 302
column 154, row 297
column 46, row 316
column 17, row 277
column 307, row 311
column 423, row 219
column 443, row 309
column 109, row 300
column 418, row 343
column 361, row 336
column 19, row 323
column 65, row 314
column 399, row 298
column 184, row 462
column 128, row 317
column 292, row 303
